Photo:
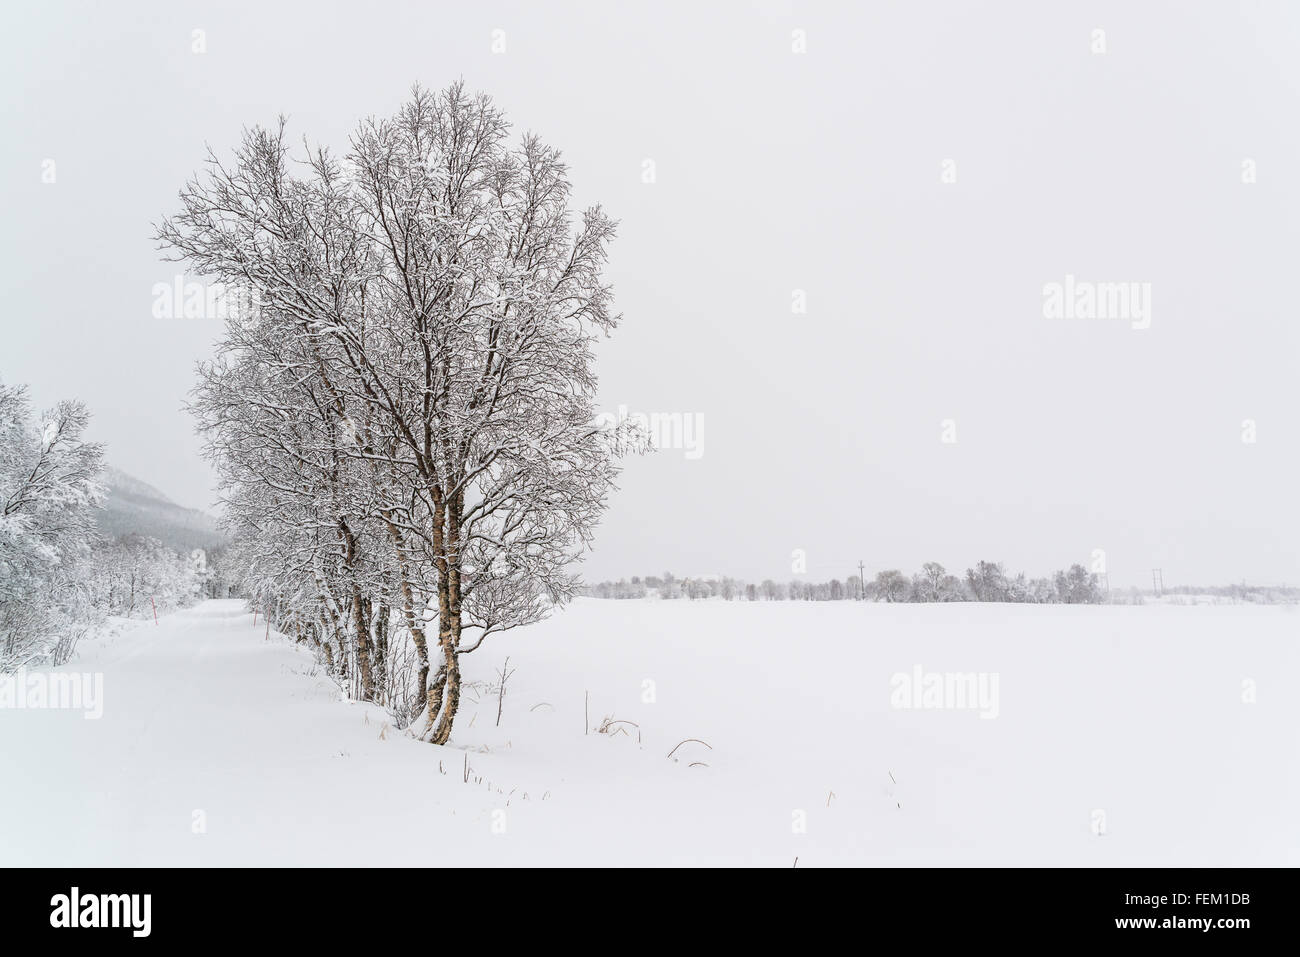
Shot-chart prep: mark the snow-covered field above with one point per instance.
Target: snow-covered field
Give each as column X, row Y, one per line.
column 1121, row 737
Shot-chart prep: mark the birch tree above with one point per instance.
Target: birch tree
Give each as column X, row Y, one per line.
column 441, row 301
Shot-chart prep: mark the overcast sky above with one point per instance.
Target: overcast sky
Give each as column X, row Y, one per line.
column 774, row 170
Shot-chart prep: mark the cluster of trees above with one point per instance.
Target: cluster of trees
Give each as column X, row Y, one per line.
column 49, row 490
column 135, row 576
column 404, row 426
column 1236, row 594
column 59, row 578
column 987, row 581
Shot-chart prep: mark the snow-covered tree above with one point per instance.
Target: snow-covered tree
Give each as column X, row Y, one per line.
column 927, row 584
column 891, row 585
column 418, row 382
column 137, row 575
column 987, row 581
column 1077, row 586
column 49, row 489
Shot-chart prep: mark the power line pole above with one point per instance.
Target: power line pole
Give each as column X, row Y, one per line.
column 1157, row 581
column 862, row 582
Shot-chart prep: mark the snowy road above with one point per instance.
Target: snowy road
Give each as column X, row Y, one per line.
column 218, row 747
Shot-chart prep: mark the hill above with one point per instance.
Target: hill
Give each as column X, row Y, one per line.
column 135, row 507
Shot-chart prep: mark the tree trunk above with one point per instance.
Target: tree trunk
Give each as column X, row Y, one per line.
column 329, row 655
column 443, row 706
column 380, row 619
column 408, row 612
column 359, row 617
column 363, row 645
column 444, row 698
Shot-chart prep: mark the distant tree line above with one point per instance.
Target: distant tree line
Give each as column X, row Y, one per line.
column 987, row 581
column 1243, row 593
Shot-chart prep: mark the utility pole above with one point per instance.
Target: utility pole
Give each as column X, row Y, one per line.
column 1157, row 581
column 862, row 582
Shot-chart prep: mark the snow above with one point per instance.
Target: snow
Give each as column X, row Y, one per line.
column 1136, row 712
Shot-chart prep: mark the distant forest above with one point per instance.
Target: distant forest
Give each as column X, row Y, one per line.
column 987, row 581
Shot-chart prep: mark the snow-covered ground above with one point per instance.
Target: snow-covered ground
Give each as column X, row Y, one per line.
column 1123, row 735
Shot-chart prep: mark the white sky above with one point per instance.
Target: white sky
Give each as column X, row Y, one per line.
column 775, row 172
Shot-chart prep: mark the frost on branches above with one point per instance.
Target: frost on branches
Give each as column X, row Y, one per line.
column 49, row 491
column 138, row 576
column 405, row 426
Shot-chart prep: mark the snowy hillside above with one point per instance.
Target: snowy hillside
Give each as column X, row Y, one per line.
column 135, row 507
column 1100, row 736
